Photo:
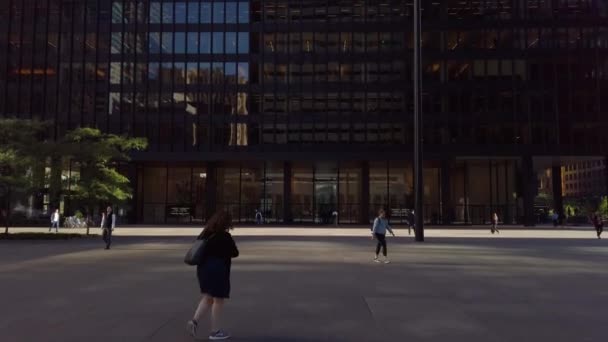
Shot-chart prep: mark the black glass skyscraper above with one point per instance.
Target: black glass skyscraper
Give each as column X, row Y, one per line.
column 303, row 108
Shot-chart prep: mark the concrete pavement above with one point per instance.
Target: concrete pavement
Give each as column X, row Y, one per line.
column 311, row 288
column 582, row 232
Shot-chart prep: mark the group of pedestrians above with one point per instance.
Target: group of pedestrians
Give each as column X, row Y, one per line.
column 108, row 223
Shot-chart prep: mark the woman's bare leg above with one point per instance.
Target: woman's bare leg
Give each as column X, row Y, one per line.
column 203, row 307
column 216, row 313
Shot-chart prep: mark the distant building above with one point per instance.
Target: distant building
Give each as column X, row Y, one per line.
column 587, row 178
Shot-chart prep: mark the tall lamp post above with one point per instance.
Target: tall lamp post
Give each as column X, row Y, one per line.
column 418, row 160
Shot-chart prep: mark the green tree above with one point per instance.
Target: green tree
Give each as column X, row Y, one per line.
column 21, row 147
column 97, row 155
column 602, row 208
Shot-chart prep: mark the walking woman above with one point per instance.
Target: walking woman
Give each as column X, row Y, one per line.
column 494, row 220
column 598, row 223
column 379, row 233
column 213, row 273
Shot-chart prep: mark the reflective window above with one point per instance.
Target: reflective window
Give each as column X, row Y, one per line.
column 153, row 71
column 230, row 43
column 218, row 42
column 205, row 13
column 180, row 42
column 243, row 42
column 116, row 42
column 115, row 73
column 193, row 12
column 204, row 73
column 116, row 12
column 205, row 42
column 167, row 42
column 180, row 13
column 167, row 13
column 230, row 73
column 179, row 73
column 165, row 73
column 193, row 42
column 218, row 12
column 243, row 73
column 155, row 10
column 154, row 42
column 244, row 12
column 192, row 73
column 231, row 13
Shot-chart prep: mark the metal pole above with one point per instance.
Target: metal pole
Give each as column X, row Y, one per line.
column 418, row 160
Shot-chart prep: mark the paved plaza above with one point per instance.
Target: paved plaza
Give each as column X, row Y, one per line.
column 537, row 285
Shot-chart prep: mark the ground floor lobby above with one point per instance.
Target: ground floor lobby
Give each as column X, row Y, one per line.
column 457, row 191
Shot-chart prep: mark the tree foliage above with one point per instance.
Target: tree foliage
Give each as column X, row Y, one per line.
column 97, row 154
column 21, row 144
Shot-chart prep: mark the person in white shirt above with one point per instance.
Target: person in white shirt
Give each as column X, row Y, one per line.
column 55, row 221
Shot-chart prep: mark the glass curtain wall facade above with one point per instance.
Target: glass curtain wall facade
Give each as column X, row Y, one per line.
column 303, row 108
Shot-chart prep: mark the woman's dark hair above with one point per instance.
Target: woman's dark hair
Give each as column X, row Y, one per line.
column 221, row 221
column 381, row 211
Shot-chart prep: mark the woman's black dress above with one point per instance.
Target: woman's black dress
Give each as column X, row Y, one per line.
column 213, row 272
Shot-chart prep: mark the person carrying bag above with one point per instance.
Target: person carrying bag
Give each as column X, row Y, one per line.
column 212, row 254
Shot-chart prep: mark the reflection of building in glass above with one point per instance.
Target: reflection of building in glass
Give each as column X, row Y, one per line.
column 300, row 108
column 585, row 178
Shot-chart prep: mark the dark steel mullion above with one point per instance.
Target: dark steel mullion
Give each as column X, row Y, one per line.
column 365, row 74
column 58, row 69
column 263, row 73
column 185, row 87
column 171, row 132
column 147, row 75
column 8, row 55
column 35, row 12
column 20, row 67
column 46, row 59
column 287, row 119
column 97, row 32
column 108, row 64
column 198, row 85
column 121, row 63
column 84, row 58
column 327, row 71
column 211, row 92
column 71, row 64
column 159, row 96
column 597, row 78
column 301, row 53
column 134, row 69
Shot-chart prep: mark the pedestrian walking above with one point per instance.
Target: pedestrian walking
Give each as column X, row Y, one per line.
column 598, row 223
column 494, row 221
column 213, row 273
column 555, row 219
column 334, row 214
column 379, row 230
column 108, row 223
column 411, row 218
column 259, row 219
column 55, row 221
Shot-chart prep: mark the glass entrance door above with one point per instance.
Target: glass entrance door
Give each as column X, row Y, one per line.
column 326, row 194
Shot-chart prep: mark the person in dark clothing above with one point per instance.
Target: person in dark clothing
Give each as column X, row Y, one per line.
column 108, row 223
column 213, row 273
column 598, row 223
column 411, row 220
